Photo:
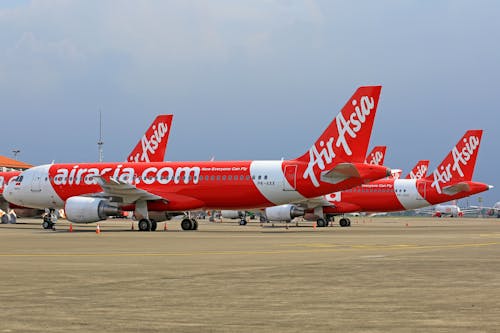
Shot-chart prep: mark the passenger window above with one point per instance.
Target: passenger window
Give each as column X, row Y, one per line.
column 212, row 178
column 229, row 177
column 248, row 177
column 223, row 177
column 265, row 177
column 218, row 178
column 259, row 177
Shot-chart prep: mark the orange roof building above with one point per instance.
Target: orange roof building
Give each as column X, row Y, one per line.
column 8, row 164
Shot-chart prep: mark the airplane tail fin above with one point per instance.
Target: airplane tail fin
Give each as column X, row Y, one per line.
column 460, row 162
column 376, row 156
column 346, row 138
column 419, row 171
column 153, row 144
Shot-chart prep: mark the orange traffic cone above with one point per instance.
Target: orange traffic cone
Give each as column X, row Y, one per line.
column 165, row 227
column 315, row 225
column 98, row 229
column 71, row 227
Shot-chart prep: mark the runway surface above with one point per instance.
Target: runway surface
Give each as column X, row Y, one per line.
column 380, row 275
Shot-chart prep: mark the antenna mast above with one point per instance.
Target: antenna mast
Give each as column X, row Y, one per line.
column 100, row 143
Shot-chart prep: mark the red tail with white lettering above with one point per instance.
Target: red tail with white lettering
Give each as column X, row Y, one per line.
column 376, row 156
column 459, row 164
column 419, row 171
column 346, row 138
column 153, row 144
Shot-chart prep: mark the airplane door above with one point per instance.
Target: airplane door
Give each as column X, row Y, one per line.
column 421, row 186
column 290, row 181
column 36, row 183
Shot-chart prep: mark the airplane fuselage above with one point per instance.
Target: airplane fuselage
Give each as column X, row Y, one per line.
column 181, row 185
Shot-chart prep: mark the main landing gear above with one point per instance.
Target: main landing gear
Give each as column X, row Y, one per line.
column 49, row 220
column 189, row 224
column 147, row 225
column 345, row 222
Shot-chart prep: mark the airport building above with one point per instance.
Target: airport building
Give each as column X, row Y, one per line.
column 9, row 164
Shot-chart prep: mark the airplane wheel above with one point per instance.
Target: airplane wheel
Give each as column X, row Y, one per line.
column 243, row 222
column 320, row 223
column 46, row 225
column 187, row 224
column 348, row 222
column 344, row 222
column 153, row 225
column 145, row 225
column 195, row 224
column 5, row 218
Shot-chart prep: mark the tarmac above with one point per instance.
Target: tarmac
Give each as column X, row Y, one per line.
column 382, row 274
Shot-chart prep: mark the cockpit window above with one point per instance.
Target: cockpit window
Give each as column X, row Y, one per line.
column 18, row 179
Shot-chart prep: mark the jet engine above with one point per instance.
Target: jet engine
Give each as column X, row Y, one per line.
column 88, row 210
column 284, row 212
column 232, row 214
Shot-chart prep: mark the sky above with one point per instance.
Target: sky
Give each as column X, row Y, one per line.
column 248, row 79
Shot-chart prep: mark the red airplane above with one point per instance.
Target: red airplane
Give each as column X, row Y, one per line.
column 150, row 148
column 90, row 192
column 451, row 180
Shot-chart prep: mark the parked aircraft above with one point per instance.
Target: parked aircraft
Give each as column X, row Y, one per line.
column 150, row 148
column 376, row 156
column 451, row 180
column 91, row 192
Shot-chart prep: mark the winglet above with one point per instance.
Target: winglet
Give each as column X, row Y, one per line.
column 153, row 144
column 459, row 164
column 346, row 138
column 419, row 171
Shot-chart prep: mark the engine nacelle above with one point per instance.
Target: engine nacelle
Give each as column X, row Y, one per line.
column 88, row 210
column 284, row 212
column 232, row 214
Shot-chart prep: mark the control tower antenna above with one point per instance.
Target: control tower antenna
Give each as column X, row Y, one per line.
column 100, row 143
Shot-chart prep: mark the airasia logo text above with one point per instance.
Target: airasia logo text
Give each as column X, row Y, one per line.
column 163, row 176
column 460, row 158
column 151, row 144
column 377, row 158
column 325, row 154
column 419, row 173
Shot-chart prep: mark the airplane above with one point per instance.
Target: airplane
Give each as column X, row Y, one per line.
column 495, row 209
column 91, row 192
column 376, row 156
column 150, row 148
column 451, row 180
column 451, row 210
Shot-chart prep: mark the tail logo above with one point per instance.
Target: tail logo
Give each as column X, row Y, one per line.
column 460, row 158
column 420, row 173
column 149, row 146
column 376, row 158
column 352, row 126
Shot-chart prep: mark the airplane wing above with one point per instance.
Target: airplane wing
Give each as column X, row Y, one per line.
column 315, row 202
column 456, row 188
column 127, row 192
